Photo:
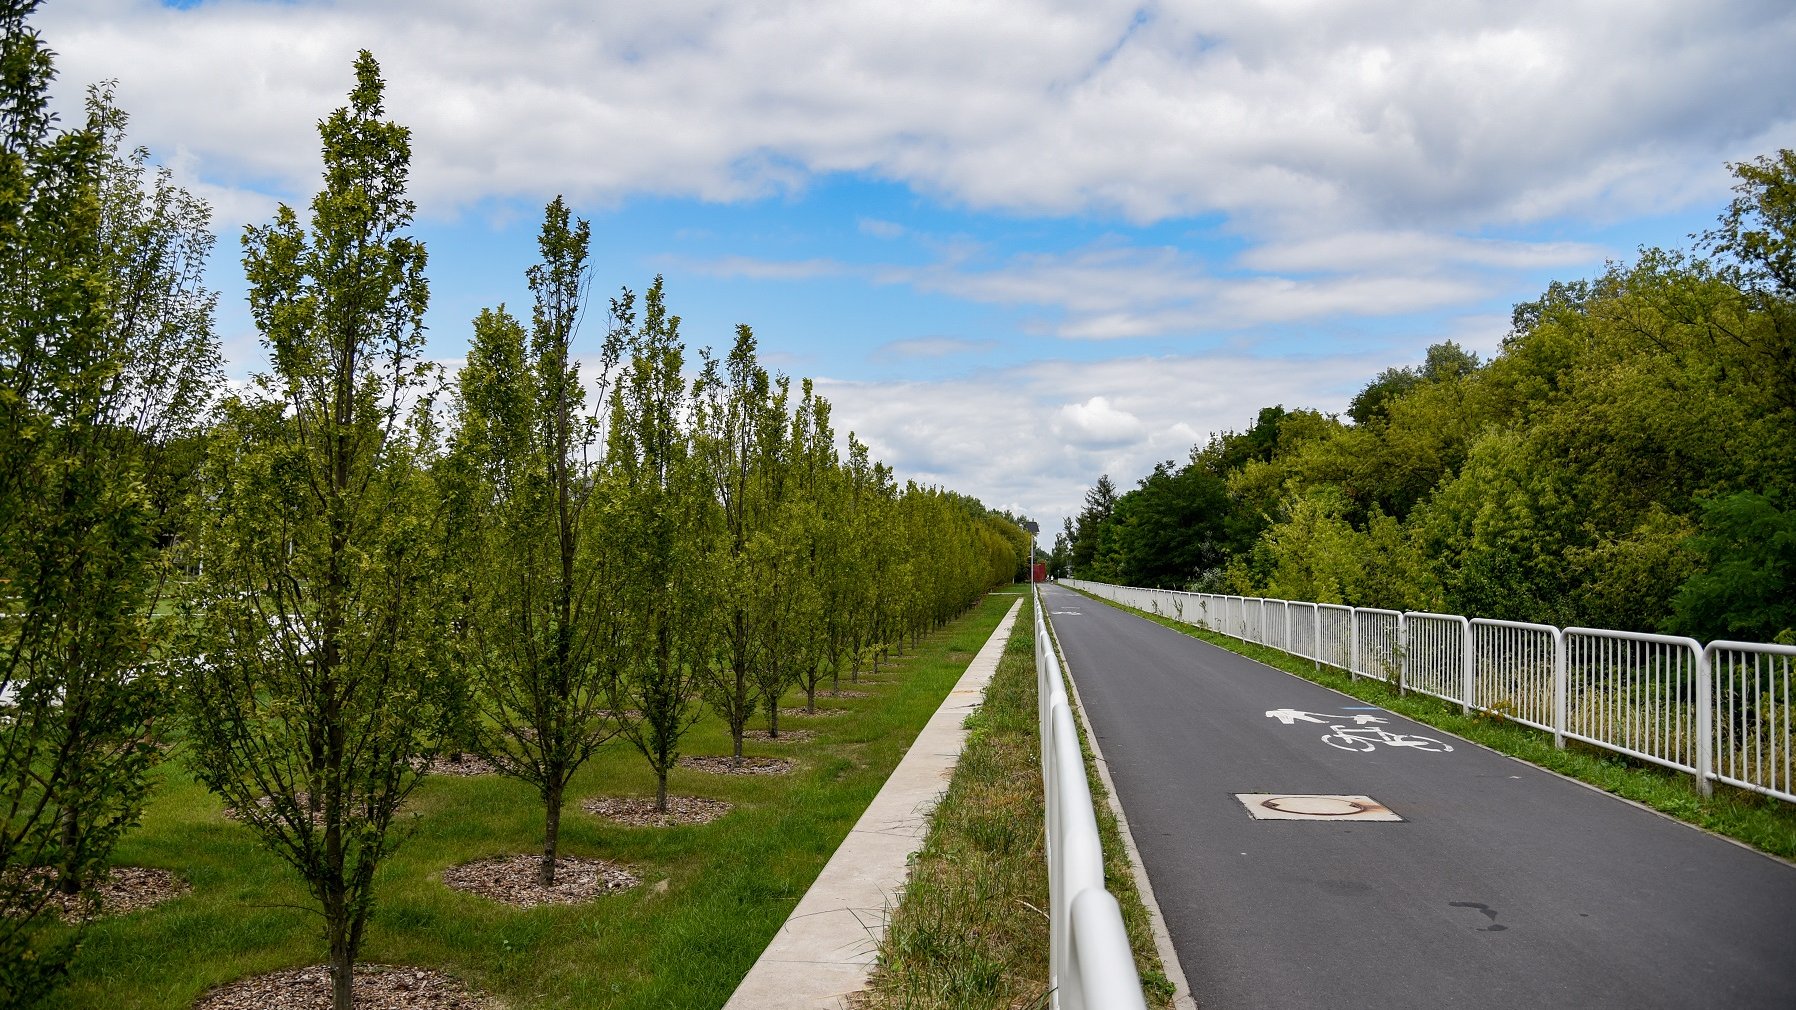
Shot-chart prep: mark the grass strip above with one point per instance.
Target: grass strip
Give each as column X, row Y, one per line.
column 1763, row 822
column 712, row 895
column 971, row 932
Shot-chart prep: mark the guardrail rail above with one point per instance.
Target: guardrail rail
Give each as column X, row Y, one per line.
column 1090, row 965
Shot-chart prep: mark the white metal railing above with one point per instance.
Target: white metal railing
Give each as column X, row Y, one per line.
column 1090, row 965
column 1723, row 713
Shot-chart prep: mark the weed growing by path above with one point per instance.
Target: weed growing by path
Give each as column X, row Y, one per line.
column 971, row 932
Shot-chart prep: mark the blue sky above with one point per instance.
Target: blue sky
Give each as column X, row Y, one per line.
column 1018, row 242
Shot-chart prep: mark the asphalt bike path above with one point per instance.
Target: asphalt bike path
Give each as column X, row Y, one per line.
column 1501, row 886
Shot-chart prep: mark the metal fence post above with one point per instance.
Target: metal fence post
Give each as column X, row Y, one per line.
column 1705, row 722
column 1353, row 643
column 1559, row 689
column 1471, row 680
column 1402, row 650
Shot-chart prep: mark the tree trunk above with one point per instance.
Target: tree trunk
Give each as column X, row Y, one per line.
column 810, row 697
column 545, row 875
column 661, row 790
column 342, row 965
column 773, row 719
column 68, row 878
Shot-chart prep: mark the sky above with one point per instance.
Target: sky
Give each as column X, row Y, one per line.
column 1017, row 243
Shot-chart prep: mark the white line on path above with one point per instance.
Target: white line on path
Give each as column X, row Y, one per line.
column 827, row 946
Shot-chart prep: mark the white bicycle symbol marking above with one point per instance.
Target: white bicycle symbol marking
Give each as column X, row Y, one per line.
column 1361, row 739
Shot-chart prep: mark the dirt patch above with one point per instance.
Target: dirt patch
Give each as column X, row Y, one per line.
column 512, row 880
column 377, row 987
column 799, row 713
column 786, row 735
column 721, row 765
column 639, row 811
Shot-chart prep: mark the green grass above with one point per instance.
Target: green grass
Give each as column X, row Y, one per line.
column 971, row 932
column 1763, row 822
column 729, row 884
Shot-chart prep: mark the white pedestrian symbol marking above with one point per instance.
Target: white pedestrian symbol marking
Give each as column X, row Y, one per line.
column 1362, row 735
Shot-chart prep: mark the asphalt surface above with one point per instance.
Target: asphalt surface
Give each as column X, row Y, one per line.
column 1503, row 885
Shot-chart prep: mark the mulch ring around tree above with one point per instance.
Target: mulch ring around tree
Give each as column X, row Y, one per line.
column 639, row 811
column 844, row 693
column 786, row 735
column 461, row 764
column 512, row 880
column 123, row 889
column 720, row 764
column 799, row 713
column 377, row 987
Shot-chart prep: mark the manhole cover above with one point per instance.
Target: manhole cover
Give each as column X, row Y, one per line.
column 1314, row 807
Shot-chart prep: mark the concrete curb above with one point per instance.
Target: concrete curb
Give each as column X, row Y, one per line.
column 828, row 945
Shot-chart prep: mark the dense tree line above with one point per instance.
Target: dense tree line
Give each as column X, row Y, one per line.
column 1626, row 460
column 358, row 562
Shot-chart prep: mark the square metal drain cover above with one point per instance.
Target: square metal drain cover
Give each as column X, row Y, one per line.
column 1314, row 807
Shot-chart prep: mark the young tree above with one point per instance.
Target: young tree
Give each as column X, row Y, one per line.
column 807, row 524
column 733, row 408
column 541, row 624
column 106, row 357
column 316, row 695
column 660, row 509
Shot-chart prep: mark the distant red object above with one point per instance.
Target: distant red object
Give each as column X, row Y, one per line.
column 1041, row 572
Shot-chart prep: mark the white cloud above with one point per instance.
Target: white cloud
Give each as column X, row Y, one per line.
column 1096, row 424
column 930, row 347
column 879, row 229
column 1385, row 114
column 1035, row 436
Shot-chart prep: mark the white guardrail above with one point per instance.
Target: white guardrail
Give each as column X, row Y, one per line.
column 1723, row 713
column 1090, row 965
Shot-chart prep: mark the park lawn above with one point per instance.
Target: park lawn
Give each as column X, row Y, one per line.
column 712, row 895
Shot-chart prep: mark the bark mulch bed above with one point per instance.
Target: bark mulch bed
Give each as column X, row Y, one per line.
column 844, row 693
column 788, row 713
column 720, row 764
column 123, row 889
column 786, row 735
column 512, row 880
column 639, row 811
column 462, row 764
column 377, row 987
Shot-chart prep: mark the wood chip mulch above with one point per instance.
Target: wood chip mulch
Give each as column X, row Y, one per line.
column 639, row 811
column 462, row 764
column 786, row 735
column 512, row 880
column 845, row 694
column 377, row 987
column 788, row 713
column 123, row 889
column 723, row 765
column 267, row 803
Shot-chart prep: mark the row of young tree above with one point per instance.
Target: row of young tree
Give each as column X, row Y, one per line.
column 322, row 582
column 1627, row 460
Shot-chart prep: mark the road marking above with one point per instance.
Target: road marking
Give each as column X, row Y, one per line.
column 1363, row 736
column 1315, row 807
